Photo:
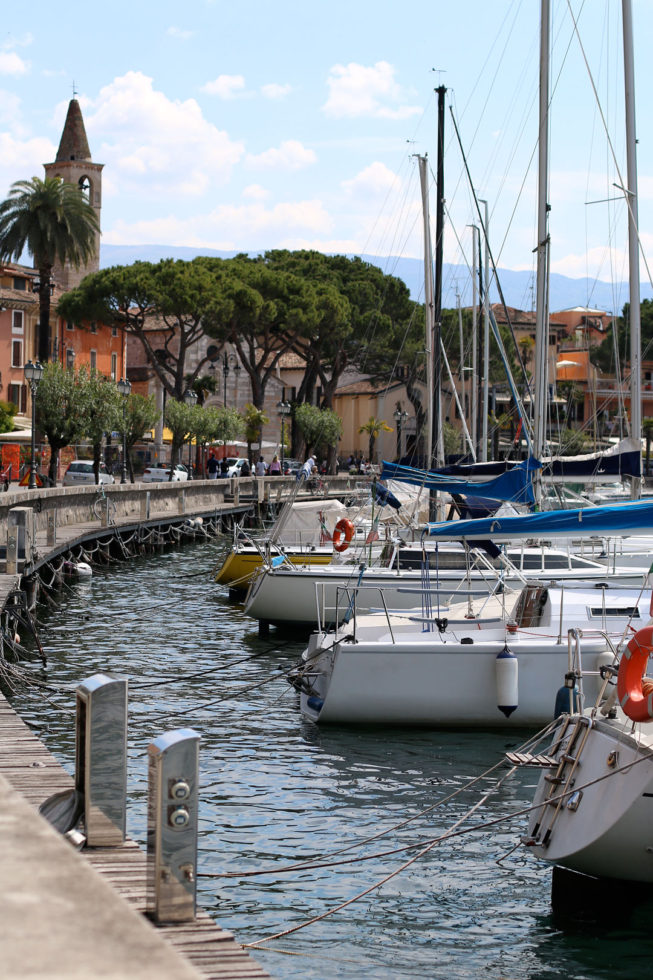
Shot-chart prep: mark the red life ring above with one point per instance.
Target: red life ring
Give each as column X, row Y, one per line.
column 343, row 534
column 635, row 692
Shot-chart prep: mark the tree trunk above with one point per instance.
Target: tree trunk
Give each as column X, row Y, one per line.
column 52, row 469
column 45, row 274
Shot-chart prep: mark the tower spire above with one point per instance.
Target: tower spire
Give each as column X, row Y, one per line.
column 73, row 144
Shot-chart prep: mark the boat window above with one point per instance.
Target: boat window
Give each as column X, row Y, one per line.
column 532, row 561
column 614, row 612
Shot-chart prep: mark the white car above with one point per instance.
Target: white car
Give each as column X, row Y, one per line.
column 80, row 473
column 234, row 466
column 160, row 473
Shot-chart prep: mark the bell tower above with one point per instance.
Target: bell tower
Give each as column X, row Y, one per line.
column 74, row 165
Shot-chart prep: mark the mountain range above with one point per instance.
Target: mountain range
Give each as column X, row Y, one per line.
column 518, row 286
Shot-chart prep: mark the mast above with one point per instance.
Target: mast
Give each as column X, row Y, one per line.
column 474, row 391
column 485, row 291
column 437, row 299
column 428, row 307
column 633, row 239
column 541, row 307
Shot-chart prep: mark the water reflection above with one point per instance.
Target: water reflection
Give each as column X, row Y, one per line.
column 276, row 789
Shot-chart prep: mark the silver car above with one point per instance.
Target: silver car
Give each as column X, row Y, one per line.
column 80, row 473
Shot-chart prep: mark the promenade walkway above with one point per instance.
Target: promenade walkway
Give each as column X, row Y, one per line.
column 80, row 915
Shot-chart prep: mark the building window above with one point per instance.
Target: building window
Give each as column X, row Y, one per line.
column 93, row 326
column 70, row 358
column 18, row 397
column 20, row 284
column 17, row 321
column 114, row 331
column 93, row 362
column 114, row 367
column 16, row 353
column 70, row 325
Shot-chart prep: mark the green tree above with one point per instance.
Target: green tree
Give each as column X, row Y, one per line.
column 52, row 220
column 7, row 412
column 101, row 408
column 320, row 429
column 59, row 407
column 179, row 418
column 163, row 304
column 254, row 419
column 141, row 415
column 374, row 427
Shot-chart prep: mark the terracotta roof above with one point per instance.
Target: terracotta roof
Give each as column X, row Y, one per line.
column 74, row 144
column 367, row 387
column 17, row 299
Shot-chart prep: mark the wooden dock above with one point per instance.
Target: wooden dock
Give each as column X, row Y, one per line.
column 78, row 915
column 58, row 920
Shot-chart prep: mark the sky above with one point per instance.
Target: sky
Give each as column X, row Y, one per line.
column 297, row 125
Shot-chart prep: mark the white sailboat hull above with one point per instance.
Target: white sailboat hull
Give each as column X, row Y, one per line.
column 607, row 830
column 436, row 683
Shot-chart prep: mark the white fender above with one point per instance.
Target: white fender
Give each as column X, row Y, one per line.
column 507, row 678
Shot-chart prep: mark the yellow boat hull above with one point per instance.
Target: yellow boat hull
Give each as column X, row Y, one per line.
column 239, row 567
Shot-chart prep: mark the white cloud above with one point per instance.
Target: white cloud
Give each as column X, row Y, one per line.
column 275, row 91
column 255, row 192
column 372, row 181
column 154, row 144
column 23, row 41
column 12, row 64
column 180, row 33
column 290, row 155
column 9, row 108
column 230, row 227
column 22, row 159
column 225, row 86
column 356, row 90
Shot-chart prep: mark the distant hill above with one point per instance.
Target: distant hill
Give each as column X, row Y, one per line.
column 518, row 287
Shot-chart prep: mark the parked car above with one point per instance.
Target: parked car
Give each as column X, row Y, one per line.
column 235, row 466
column 159, row 473
column 80, row 473
column 291, row 467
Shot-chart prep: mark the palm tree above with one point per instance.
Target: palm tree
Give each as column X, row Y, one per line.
column 52, row 220
column 374, row 427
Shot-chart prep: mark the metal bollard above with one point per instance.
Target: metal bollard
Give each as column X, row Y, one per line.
column 101, row 757
column 20, row 526
column 52, row 528
column 145, row 506
column 172, row 825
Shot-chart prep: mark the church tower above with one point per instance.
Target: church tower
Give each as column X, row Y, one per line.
column 74, row 165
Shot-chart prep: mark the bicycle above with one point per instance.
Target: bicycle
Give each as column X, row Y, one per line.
column 104, row 508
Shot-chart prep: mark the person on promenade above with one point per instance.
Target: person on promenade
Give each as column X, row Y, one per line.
column 245, row 469
column 275, row 466
column 305, row 472
column 224, row 467
column 212, row 467
column 260, row 467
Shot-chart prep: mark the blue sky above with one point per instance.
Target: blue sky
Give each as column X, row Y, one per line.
column 267, row 125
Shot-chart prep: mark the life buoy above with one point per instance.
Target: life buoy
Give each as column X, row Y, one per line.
column 634, row 690
column 343, row 534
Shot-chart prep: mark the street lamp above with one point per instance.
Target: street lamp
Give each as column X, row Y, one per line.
column 124, row 387
column 284, row 409
column 33, row 374
column 190, row 397
column 229, row 361
column 399, row 417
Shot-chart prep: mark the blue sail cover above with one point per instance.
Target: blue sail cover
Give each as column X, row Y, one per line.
column 612, row 519
column 514, row 485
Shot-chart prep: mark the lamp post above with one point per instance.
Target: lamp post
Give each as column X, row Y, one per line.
column 399, row 417
column 33, row 374
column 124, row 387
column 190, row 397
column 284, row 409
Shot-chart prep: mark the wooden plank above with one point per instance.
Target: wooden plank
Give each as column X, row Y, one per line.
column 34, row 772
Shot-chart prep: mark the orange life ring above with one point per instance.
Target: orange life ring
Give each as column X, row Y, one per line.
column 343, row 534
column 635, row 692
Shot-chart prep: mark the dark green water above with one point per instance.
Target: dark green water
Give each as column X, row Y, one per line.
column 276, row 789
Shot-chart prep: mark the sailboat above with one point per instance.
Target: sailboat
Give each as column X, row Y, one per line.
column 593, row 802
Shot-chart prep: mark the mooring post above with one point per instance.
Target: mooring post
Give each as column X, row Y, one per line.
column 235, row 489
column 145, row 506
column 101, row 758
column 181, row 501
column 20, row 529
column 173, row 784
column 52, row 527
